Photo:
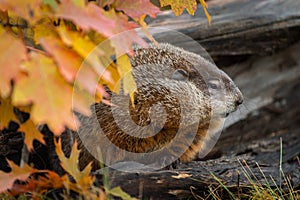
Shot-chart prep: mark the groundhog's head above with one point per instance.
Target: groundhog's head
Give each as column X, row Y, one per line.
column 184, row 87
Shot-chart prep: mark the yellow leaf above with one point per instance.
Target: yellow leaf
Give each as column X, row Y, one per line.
column 118, row 192
column 178, row 6
column 86, row 49
column 6, row 112
column 124, row 68
column 28, row 9
column 31, row 133
column 70, row 164
column 17, row 173
column 43, row 29
column 50, row 94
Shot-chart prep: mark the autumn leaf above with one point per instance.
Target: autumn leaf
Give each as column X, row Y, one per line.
column 125, row 69
column 28, row 9
column 178, row 6
column 88, row 17
column 118, row 192
column 67, row 60
column 39, row 184
column 50, row 94
column 136, row 9
column 31, row 133
column 6, row 112
column 87, row 50
column 71, row 166
column 44, row 28
column 204, row 6
column 13, row 52
column 17, row 173
column 125, row 35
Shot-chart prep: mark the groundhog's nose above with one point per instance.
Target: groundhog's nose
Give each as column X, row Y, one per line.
column 239, row 98
column 239, row 101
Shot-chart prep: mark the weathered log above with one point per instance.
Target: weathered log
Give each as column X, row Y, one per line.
column 239, row 28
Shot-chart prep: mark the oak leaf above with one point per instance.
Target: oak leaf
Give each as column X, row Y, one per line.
column 6, row 112
column 13, row 52
column 31, row 133
column 49, row 93
column 17, row 173
column 71, row 166
column 45, row 180
column 136, row 9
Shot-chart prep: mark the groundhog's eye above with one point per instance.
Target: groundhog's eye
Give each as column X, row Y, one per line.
column 180, row 75
column 214, row 84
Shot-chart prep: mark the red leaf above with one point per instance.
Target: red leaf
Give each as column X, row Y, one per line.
column 89, row 17
column 17, row 173
column 125, row 35
column 136, row 9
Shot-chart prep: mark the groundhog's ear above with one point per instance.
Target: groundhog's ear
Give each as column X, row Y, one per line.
column 180, row 75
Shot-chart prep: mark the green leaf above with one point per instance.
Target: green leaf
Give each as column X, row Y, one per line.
column 118, row 192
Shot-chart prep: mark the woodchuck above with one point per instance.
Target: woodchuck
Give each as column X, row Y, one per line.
column 179, row 107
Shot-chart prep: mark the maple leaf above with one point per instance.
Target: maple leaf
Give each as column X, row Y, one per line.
column 50, row 94
column 70, row 164
column 125, row 72
column 178, row 6
column 125, row 35
column 44, row 28
column 86, row 49
column 88, row 17
column 28, row 9
column 31, row 133
column 13, row 52
column 17, row 173
column 6, row 112
column 68, row 61
column 136, row 9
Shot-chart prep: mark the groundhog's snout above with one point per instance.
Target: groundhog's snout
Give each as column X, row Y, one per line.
column 239, row 98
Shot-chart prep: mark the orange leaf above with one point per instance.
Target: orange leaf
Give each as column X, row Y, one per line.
column 125, row 35
column 31, row 133
column 49, row 180
column 28, row 9
column 13, row 52
column 6, row 112
column 86, row 49
column 68, row 61
column 136, row 9
column 179, row 6
column 50, row 94
column 17, row 173
column 89, row 17
column 70, row 164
